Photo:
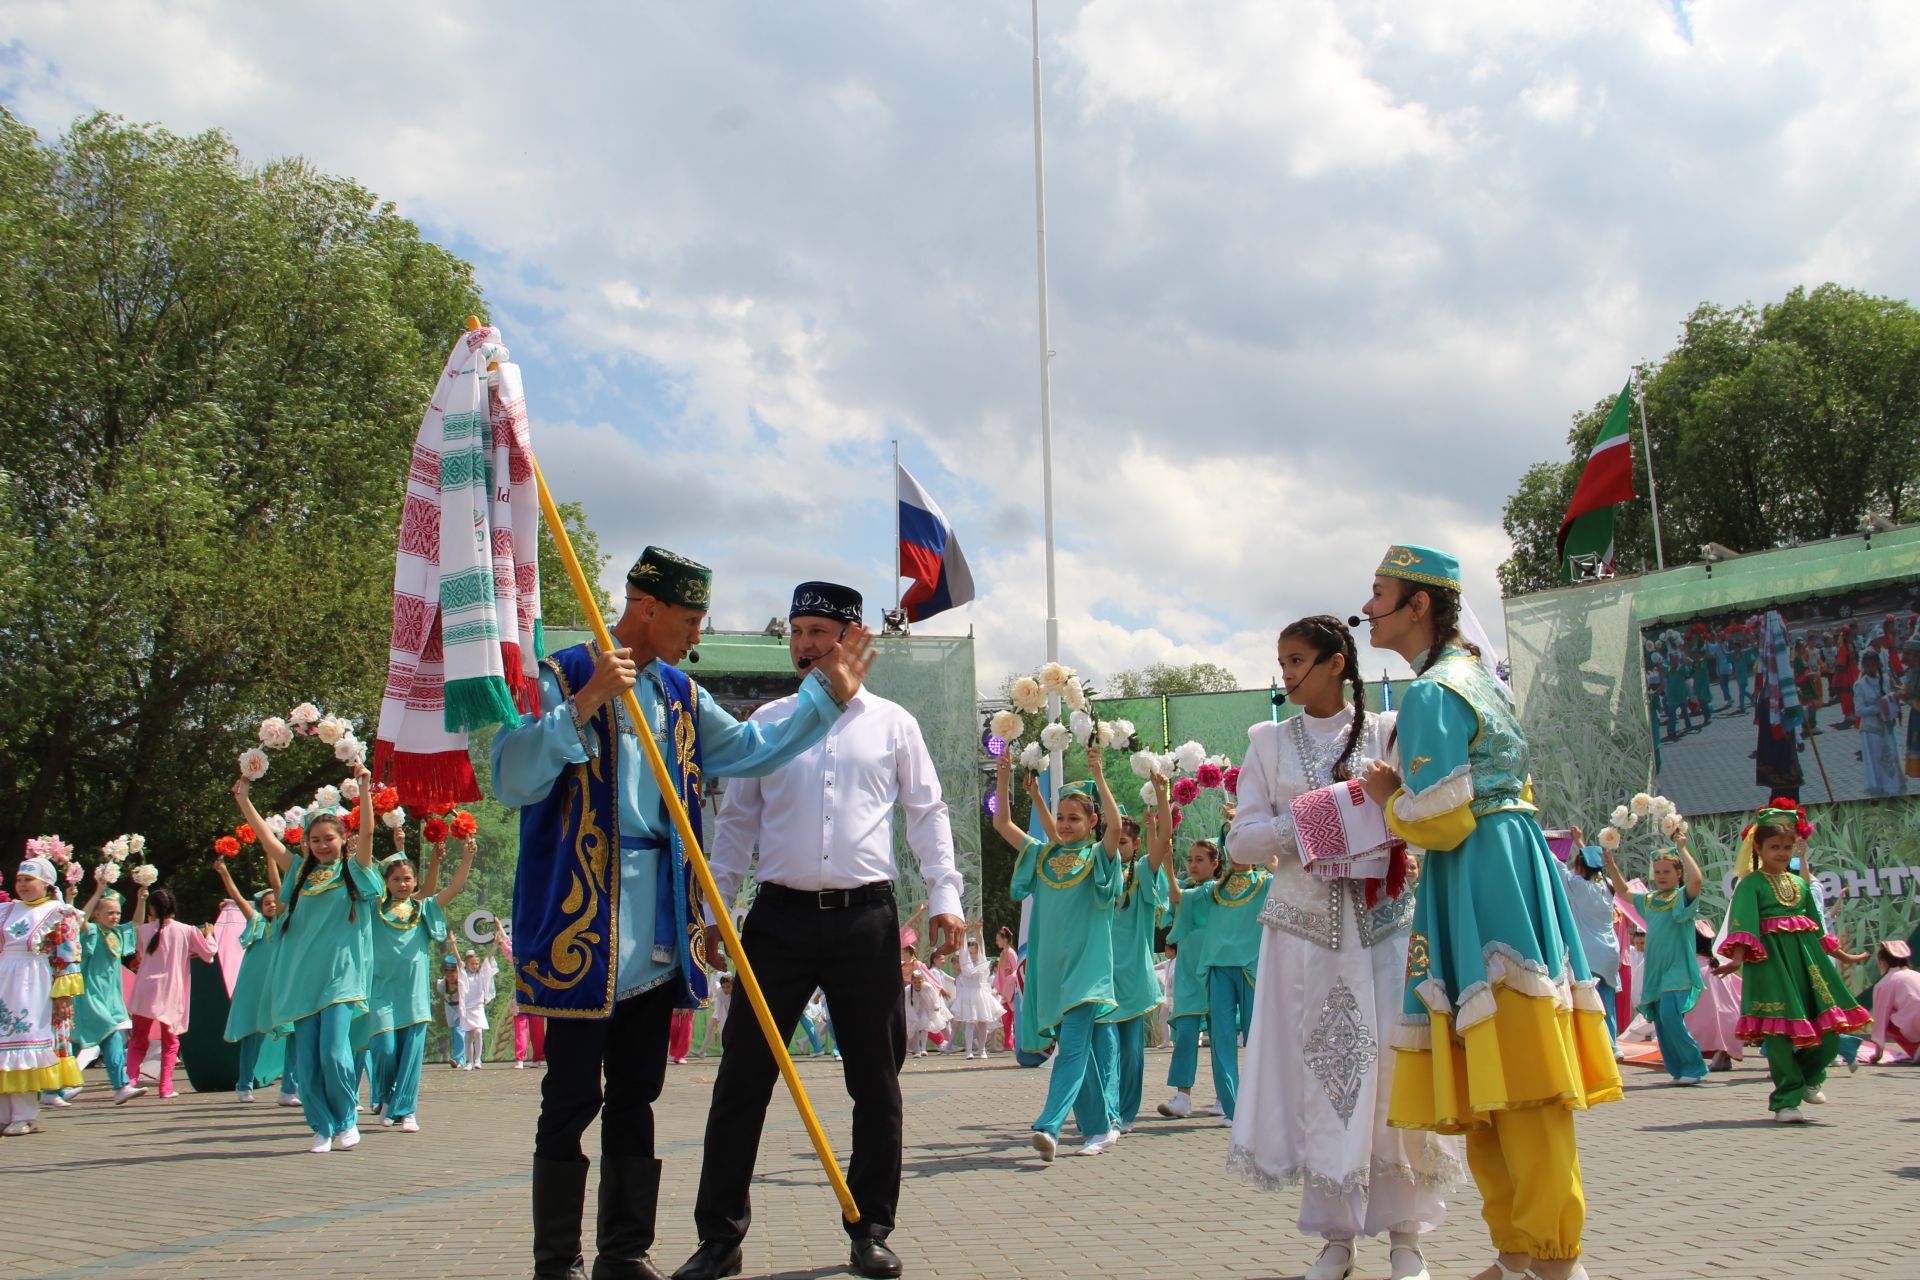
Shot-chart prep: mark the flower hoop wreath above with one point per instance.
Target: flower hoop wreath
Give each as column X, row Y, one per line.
column 304, row 721
column 1664, row 821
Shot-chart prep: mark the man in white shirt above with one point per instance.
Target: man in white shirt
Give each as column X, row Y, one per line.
column 824, row 916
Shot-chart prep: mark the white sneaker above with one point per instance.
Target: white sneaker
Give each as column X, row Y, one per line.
column 386, row 1121
column 1126, row 1128
column 1101, row 1144
column 127, row 1093
column 1334, row 1263
column 72, row 1091
column 348, row 1140
column 1178, row 1107
column 243, row 1095
column 409, row 1125
column 285, row 1099
column 1408, row 1263
column 55, row 1100
column 1046, row 1144
column 1818, row 1097
column 1790, row 1115
column 969, row 1057
column 321, row 1145
column 521, row 1066
column 1213, row 1109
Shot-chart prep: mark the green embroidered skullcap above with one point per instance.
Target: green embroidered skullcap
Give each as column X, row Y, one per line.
column 1422, row 565
column 671, row 578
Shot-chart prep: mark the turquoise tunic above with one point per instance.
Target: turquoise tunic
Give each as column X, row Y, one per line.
column 1190, row 996
column 101, row 1007
column 405, row 942
column 1143, row 895
column 324, row 958
column 1669, row 964
column 1069, row 934
column 1226, row 917
column 253, row 985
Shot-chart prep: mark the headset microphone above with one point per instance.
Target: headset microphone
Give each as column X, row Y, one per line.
column 804, row 663
column 1354, row 619
column 693, row 655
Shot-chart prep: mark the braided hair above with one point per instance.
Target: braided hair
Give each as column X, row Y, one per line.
column 1329, row 636
column 306, row 869
column 160, row 906
column 1445, row 603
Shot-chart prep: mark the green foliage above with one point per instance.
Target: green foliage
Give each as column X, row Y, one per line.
column 214, row 376
column 1769, row 426
column 1164, row 679
column 559, row 605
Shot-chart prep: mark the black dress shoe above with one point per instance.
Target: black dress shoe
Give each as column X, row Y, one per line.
column 872, row 1258
column 713, row 1260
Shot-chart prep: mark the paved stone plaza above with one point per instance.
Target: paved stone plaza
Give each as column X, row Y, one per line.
column 1681, row 1183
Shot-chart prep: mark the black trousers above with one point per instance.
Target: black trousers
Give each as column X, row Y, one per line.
column 853, row 955
column 630, row 1050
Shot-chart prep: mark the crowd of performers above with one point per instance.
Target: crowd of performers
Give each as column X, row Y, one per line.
column 1378, row 1029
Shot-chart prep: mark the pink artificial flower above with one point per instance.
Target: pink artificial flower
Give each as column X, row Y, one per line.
column 1209, row 776
column 1177, row 815
column 1186, row 791
column 1231, row 780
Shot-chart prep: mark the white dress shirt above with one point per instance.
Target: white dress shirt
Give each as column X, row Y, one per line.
column 825, row 820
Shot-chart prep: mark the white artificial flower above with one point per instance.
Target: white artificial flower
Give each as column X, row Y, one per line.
column 1054, row 677
column 1670, row 825
column 1642, row 804
column 1684, row 828
column 1034, row 757
column 395, row 818
column 303, row 715
column 294, row 816
column 1147, row 797
column 1189, row 756
column 350, row 789
column 108, row 872
column 1167, row 767
column 277, row 825
column 1055, row 737
column 253, row 764
column 1027, row 695
column 1105, row 734
column 136, row 844
column 348, row 750
column 1142, row 763
column 275, row 734
column 1006, row 725
column 1622, row 817
column 115, row 849
column 1661, row 808
column 327, row 798
column 145, row 874
column 1122, row 730
column 1080, row 724
column 1076, row 694
column 331, row 730
column 1610, row 839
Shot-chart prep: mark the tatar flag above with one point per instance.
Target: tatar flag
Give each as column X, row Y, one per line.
column 1586, row 533
column 930, row 555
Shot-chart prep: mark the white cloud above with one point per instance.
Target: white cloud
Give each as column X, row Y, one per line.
column 1324, row 275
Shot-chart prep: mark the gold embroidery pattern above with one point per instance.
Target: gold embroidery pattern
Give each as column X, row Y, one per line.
column 1065, row 868
column 324, row 878
column 1663, row 901
column 1418, row 763
column 1786, row 887
column 1240, row 887
column 1401, row 558
column 1417, row 957
column 401, row 915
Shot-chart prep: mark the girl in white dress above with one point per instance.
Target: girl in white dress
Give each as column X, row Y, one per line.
column 1313, row 1102
column 477, row 990
column 927, row 1012
column 975, row 1005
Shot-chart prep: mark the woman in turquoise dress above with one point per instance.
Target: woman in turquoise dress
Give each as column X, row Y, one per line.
column 1136, row 986
column 100, row 1010
column 1073, row 878
column 247, row 1024
column 412, row 924
column 323, row 969
column 1502, row 1035
column 1220, row 921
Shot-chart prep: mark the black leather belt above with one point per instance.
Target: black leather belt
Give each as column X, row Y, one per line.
column 829, row 899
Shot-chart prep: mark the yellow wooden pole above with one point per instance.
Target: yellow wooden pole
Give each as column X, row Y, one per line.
column 590, row 607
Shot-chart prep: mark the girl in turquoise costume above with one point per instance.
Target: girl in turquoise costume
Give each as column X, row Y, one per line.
column 100, row 1010
column 1189, row 1016
column 253, row 985
column 1136, row 987
column 1502, row 1035
column 1670, row 983
column 1221, row 923
column 408, row 930
column 1073, row 877
column 324, row 953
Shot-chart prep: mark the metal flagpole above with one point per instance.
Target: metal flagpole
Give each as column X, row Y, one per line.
column 1653, row 489
column 896, row 526
column 1046, row 373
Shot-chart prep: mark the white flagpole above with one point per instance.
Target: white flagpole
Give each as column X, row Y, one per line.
column 896, row 526
column 1046, row 365
column 1653, row 489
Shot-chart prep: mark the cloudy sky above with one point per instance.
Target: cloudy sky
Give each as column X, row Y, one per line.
column 1324, row 275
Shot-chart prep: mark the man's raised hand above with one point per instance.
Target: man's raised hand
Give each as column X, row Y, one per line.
column 844, row 667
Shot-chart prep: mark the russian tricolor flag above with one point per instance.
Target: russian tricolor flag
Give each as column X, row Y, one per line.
column 929, row 554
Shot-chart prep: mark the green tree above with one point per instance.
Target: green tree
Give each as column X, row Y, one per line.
column 214, row 376
column 559, row 605
column 1162, row 680
column 1768, row 425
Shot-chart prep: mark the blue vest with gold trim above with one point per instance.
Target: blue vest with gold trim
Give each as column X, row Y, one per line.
column 566, row 894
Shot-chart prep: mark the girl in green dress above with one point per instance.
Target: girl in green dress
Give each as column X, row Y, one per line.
column 1793, row 1003
column 1189, row 1014
column 410, row 926
column 323, row 972
column 1136, row 984
column 100, row 1010
column 1219, row 926
column 1073, row 878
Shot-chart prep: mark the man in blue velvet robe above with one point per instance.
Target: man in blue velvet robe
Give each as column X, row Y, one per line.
column 605, row 916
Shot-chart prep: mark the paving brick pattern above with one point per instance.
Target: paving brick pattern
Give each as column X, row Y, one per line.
column 1681, row 1183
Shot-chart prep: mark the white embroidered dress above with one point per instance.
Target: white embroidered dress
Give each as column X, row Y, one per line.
column 1317, row 1078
